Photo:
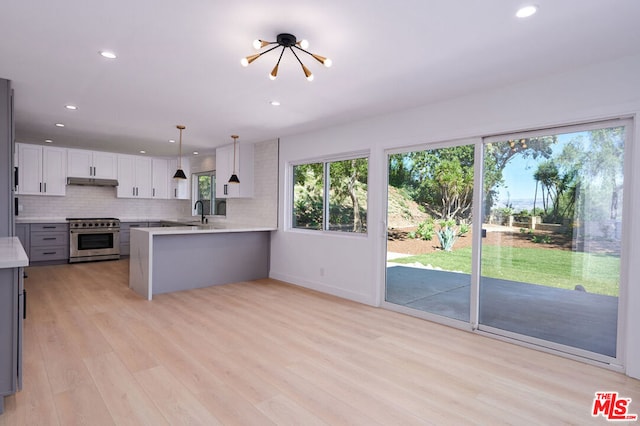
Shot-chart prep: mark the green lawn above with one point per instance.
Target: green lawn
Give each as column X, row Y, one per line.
column 553, row 268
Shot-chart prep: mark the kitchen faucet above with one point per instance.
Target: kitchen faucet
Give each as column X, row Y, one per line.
column 201, row 210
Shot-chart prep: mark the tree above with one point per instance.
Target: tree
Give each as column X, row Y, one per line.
column 307, row 196
column 443, row 180
column 599, row 157
column 423, row 174
column 559, row 190
column 348, row 179
column 498, row 155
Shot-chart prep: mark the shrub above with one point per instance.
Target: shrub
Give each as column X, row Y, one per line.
column 424, row 232
column 545, row 239
column 447, row 234
column 464, row 229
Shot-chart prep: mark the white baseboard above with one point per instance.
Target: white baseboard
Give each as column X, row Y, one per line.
column 324, row 288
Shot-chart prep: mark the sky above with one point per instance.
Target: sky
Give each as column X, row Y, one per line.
column 520, row 187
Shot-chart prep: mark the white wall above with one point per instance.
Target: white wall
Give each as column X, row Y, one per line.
column 353, row 266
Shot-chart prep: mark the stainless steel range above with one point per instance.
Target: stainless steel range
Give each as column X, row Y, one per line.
column 93, row 239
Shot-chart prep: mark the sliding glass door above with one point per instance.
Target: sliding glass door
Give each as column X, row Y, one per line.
column 542, row 261
column 550, row 266
column 430, row 203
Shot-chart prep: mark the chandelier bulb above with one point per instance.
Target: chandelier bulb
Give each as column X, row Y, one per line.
column 274, row 73
column 303, row 44
column 257, row 44
column 246, row 61
column 307, row 73
column 324, row 61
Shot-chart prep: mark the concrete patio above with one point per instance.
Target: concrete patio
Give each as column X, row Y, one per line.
column 569, row 317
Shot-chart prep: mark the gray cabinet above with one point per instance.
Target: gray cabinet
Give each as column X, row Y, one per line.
column 49, row 242
column 125, row 232
column 23, row 233
column 6, row 159
column 11, row 317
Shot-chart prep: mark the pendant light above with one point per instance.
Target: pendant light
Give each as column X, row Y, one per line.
column 234, row 176
column 180, row 173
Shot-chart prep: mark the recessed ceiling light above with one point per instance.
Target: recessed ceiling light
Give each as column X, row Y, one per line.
column 143, row 152
column 526, row 11
column 71, row 107
column 275, row 103
column 107, row 54
column 195, row 153
column 48, row 141
column 59, row 125
column 172, row 141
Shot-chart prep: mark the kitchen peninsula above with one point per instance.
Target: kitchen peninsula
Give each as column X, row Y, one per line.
column 168, row 259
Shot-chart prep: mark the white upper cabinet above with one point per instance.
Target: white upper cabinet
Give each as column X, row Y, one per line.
column 179, row 189
column 134, row 177
column 42, row 170
column 243, row 168
column 96, row 164
column 160, row 175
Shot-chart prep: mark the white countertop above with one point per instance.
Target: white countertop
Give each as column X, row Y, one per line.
column 20, row 219
column 12, row 253
column 202, row 229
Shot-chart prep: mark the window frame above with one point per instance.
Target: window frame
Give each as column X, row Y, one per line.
column 194, row 193
column 326, row 163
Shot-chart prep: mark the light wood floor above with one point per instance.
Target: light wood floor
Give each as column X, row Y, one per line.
column 261, row 353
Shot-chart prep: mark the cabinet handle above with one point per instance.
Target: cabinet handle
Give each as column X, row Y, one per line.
column 49, row 227
column 133, row 191
column 40, row 186
column 45, row 187
column 136, row 191
column 50, row 239
column 49, row 252
column 154, row 192
column 24, row 304
column 90, row 171
column 94, row 170
column 225, row 189
column 175, row 193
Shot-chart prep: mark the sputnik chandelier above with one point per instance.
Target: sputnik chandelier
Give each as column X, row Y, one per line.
column 286, row 41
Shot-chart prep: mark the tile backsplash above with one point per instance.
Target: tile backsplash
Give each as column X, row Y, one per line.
column 99, row 201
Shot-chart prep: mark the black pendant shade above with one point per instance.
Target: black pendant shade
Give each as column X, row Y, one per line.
column 179, row 174
column 234, row 176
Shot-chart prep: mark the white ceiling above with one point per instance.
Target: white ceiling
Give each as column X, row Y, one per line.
column 178, row 62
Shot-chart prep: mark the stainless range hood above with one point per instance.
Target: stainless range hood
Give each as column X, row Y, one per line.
column 91, row 181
